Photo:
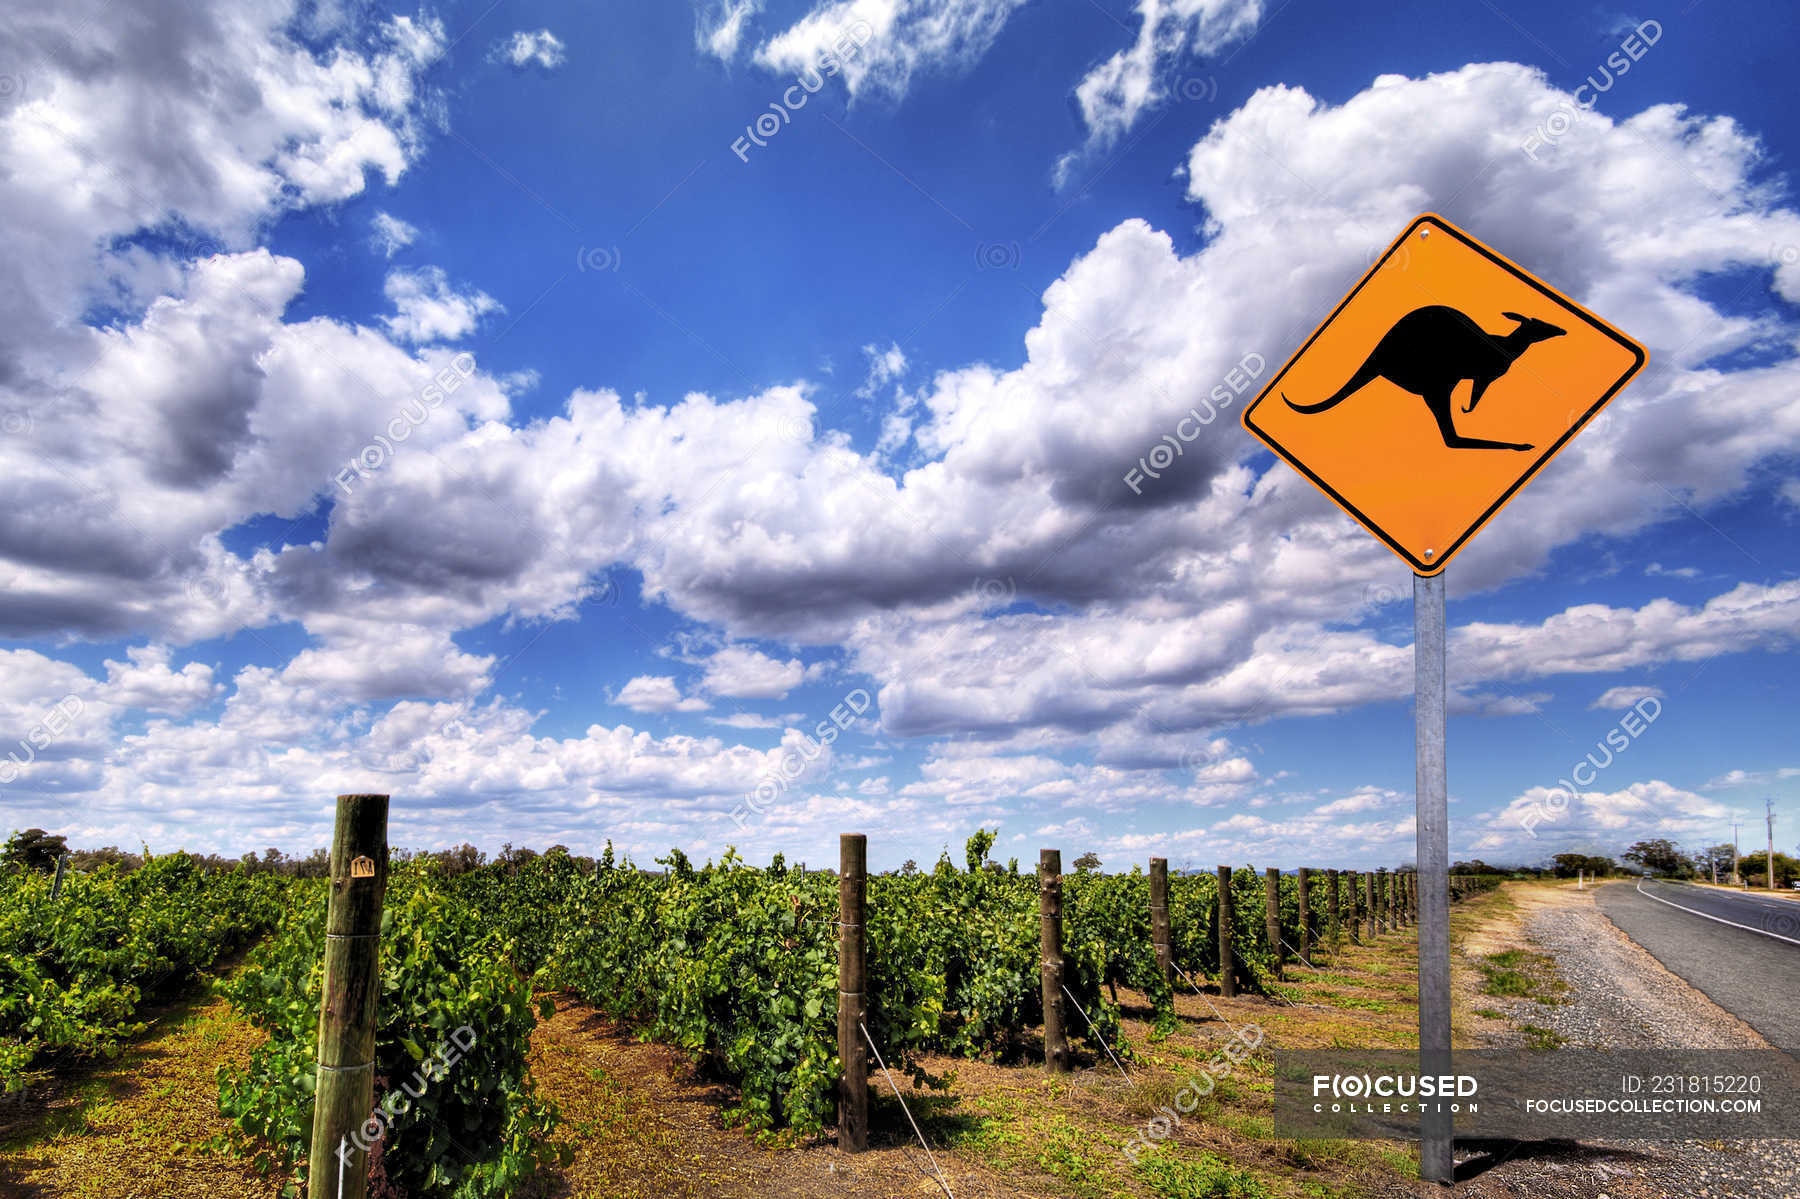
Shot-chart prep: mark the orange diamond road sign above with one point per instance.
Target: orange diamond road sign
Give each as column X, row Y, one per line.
column 1441, row 384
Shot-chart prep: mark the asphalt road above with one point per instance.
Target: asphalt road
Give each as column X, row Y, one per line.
column 1739, row 948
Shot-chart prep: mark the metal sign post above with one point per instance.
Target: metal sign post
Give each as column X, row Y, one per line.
column 1433, row 877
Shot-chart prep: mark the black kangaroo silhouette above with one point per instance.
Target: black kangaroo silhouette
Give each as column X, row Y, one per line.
column 1432, row 349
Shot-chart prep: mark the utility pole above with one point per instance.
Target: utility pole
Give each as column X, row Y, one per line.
column 1736, row 879
column 1769, row 807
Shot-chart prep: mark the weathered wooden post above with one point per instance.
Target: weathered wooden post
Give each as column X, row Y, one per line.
column 344, row 1095
column 1353, row 908
column 1056, row 1041
column 1374, row 913
column 1305, row 946
column 62, row 868
column 1393, row 901
column 1272, row 917
column 1227, row 965
column 1159, row 919
column 853, row 1002
column 1333, row 911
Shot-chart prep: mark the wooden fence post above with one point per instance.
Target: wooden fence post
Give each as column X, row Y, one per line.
column 1353, row 909
column 853, row 1003
column 1272, row 917
column 1333, row 913
column 1369, row 893
column 1393, row 901
column 1227, row 967
column 1306, row 930
column 1056, row 1041
column 1159, row 919
column 1412, row 898
column 344, row 1094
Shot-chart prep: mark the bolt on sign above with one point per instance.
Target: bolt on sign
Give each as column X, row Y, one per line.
column 1438, row 388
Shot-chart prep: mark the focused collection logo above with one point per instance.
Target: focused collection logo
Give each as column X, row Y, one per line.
column 1403, row 1093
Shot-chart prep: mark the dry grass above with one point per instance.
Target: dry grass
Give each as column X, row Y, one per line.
column 142, row 1126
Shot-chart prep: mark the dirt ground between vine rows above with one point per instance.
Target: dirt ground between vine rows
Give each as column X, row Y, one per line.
column 643, row 1127
column 139, row 1126
column 641, row 1124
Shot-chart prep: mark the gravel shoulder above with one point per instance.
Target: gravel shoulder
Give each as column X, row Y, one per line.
column 1592, row 987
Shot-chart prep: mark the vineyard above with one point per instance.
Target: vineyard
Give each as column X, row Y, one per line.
column 76, row 967
column 735, row 966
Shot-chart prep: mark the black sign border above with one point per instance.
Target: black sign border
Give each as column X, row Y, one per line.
column 1439, row 561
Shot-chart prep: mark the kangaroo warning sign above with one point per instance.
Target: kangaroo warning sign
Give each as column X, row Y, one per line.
column 1441, row 384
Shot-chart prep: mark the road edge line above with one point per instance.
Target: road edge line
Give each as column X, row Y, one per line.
column 1720, row 919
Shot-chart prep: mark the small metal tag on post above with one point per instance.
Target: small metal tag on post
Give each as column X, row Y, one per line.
column 1436, row 1162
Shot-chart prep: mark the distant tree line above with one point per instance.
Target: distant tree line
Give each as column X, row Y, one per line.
column 38, row 850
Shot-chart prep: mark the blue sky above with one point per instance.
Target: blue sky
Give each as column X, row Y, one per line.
column 722, row 436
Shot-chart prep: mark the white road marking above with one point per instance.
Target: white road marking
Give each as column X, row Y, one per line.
column 1704, row 916
column 1761, row 897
